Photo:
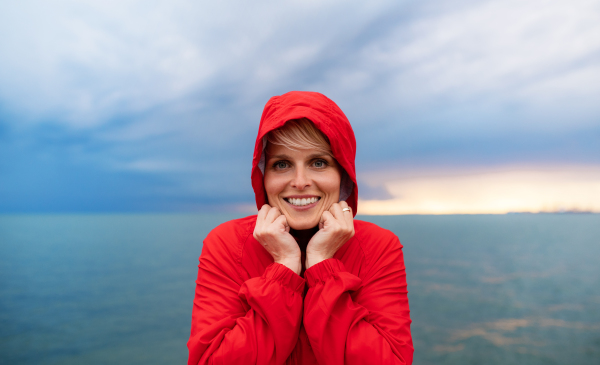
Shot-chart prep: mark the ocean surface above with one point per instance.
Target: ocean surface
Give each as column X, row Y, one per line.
column 118, row 289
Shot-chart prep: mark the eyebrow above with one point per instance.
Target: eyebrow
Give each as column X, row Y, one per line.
column 286, row 157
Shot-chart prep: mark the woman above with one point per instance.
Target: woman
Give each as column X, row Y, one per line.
column 302, row 282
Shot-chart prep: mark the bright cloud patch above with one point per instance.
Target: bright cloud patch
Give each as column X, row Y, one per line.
column 493, row 191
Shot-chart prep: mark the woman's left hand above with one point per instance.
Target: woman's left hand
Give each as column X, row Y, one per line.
column 335, row 228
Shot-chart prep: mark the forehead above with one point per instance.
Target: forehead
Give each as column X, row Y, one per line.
column 278, row 151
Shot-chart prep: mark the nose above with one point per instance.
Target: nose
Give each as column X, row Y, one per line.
column 301, row 179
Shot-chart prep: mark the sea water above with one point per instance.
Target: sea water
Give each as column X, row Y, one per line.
column 118, row 289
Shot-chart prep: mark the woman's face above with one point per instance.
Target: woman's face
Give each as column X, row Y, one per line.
column 302, row 184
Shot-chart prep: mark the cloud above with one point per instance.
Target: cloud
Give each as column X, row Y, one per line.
column 175, row 89
column 491, row 52
column 86, row 61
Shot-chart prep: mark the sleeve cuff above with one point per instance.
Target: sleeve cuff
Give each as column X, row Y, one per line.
column 323, row 270
column 282, row 274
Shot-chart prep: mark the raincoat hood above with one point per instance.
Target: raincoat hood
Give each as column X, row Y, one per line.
column 328, row 118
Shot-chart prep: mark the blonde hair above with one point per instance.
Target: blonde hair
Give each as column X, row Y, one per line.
column 300, row 134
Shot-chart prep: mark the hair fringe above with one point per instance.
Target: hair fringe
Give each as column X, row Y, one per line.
column 300, row 134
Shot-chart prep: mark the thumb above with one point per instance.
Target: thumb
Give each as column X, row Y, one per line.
column 285, row 223
column 326, row 219
column 321, row 221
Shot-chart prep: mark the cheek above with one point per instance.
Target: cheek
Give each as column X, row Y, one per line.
column 331, row 186
column 273, row 185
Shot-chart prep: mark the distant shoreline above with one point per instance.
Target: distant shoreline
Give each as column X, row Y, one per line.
column 558, row 212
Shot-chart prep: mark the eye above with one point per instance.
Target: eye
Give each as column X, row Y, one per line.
column 280, row 165
column 320, row 164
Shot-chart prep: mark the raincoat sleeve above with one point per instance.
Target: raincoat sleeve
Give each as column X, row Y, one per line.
column 354, row 321
column 256, row 321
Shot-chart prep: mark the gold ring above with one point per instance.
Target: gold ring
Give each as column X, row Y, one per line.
column 346, row 210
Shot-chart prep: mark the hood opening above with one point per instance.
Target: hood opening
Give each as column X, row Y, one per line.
column 327, row 118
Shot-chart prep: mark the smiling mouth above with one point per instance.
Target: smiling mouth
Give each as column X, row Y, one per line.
column 300, row 202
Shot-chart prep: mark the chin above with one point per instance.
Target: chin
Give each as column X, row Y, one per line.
column 301, row 224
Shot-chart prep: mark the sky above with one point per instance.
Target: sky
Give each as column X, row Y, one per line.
column 458, row 106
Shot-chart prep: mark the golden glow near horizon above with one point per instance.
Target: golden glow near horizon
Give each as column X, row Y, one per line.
column 488, row 191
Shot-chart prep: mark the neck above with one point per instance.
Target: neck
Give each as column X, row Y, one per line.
column 303, row 236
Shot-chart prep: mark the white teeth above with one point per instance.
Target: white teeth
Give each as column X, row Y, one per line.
column 303, row 201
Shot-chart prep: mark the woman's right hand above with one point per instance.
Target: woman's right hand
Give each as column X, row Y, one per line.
column 273, row 233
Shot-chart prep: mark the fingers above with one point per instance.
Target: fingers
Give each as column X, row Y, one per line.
column 326, row 218
column 345, row 205
column 344, row 218
column 260, row 218
column 272, row 214
column 347, row 211
column 281, row 220
column 336, row 211
column 341, row 211
column 262, row 213
column 268, row 215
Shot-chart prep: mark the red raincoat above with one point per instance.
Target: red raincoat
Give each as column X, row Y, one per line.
column 351, row 309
